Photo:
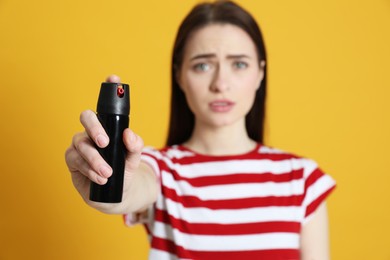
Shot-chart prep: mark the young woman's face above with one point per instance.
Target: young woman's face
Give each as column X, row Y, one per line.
column 220, row 74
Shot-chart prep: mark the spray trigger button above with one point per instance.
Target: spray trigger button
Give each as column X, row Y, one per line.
column 120, row 91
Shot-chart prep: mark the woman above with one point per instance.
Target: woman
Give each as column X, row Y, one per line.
column 215, row 191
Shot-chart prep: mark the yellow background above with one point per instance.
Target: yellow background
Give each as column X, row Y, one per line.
column 329, row 99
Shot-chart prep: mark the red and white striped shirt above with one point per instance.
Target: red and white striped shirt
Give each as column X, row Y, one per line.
column 248, row 206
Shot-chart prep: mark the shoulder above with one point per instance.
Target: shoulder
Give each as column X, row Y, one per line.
column 169, row 152
column 279, row 154
column 169, row 155
column 295, row 161
column 315, row 184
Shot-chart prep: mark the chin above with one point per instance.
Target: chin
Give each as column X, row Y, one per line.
column 223, row 122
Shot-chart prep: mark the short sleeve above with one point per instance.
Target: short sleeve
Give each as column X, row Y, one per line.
column 318, row 186
column 151, row 157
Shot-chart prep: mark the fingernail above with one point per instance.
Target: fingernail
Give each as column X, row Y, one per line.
column 105, row 171
column 132, row 137
column 101, row 140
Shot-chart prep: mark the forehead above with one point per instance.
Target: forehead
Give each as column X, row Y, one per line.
column 220, row 39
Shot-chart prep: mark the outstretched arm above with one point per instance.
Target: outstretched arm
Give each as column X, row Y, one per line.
column 86, row 164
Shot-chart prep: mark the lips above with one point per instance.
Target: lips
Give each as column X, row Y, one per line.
column 222, row 105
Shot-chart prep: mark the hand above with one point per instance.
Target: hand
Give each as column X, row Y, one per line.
column 86, row 164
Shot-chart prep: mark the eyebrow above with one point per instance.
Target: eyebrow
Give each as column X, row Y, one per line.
column 212, row 55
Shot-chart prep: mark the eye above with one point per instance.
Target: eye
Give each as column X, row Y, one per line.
column 201, row 67
column 240, row 65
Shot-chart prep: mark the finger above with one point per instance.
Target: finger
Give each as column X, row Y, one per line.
column 85, row 148
column 94, row 128
column 134, row 145
column 77, row 165
column 113, row 79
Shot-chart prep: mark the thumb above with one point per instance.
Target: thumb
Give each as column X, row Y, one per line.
column 134, row 145
column 113, row 79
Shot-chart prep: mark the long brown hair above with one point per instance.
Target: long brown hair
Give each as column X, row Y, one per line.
column 182, row 120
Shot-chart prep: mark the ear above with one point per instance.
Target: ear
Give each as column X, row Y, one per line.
column 262, row 72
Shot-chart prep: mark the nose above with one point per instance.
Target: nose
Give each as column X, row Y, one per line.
column 219, row 82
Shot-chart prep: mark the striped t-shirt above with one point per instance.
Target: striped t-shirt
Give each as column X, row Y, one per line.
column 248, row 206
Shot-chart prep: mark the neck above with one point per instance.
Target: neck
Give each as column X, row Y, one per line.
column 225, row 140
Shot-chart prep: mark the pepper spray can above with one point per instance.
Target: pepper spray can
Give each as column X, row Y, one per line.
column 113, row 108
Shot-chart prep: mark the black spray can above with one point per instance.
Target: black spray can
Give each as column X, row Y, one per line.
column 113, row 109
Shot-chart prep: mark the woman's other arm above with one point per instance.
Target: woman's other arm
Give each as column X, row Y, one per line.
column 315, row 236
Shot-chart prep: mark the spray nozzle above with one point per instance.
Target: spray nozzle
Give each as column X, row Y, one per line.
column 120, row 91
